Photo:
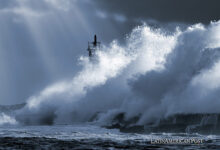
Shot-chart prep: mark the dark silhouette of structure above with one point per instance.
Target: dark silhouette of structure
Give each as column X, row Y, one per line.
column 92, row 46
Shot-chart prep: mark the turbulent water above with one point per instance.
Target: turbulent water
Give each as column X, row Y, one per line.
column 88, row 136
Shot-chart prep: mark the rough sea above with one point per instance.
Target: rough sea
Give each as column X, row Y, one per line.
column 88, row 136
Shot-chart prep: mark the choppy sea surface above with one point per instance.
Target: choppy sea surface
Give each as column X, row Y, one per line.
column 89, row 136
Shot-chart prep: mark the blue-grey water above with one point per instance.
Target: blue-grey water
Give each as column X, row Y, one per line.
column 88, row 136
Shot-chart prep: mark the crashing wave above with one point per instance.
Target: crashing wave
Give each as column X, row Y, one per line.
column 153, row 76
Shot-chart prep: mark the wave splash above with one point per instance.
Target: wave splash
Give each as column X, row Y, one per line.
column 7, row 120
column 153, row 75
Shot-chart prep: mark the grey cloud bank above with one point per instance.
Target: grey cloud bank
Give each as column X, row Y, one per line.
column 186, row 11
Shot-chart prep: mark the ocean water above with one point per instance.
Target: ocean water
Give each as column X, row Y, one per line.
column 88, row 136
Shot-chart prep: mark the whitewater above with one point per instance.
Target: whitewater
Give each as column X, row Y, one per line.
column 155, row 74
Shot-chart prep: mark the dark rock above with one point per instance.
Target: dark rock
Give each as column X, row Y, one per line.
column 179, row 123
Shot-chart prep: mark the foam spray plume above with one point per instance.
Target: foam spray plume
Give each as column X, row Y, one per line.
column 153, row 75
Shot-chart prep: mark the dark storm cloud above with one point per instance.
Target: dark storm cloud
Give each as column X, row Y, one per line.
column 187, row 11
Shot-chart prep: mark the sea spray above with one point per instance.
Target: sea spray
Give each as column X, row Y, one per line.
column 153, row 75
column 7, row 119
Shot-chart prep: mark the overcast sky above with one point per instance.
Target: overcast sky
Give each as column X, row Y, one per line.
column 41, row 40
column 186, row 11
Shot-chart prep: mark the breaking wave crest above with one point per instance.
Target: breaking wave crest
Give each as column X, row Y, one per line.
column 155, row 74
column 7, row 120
